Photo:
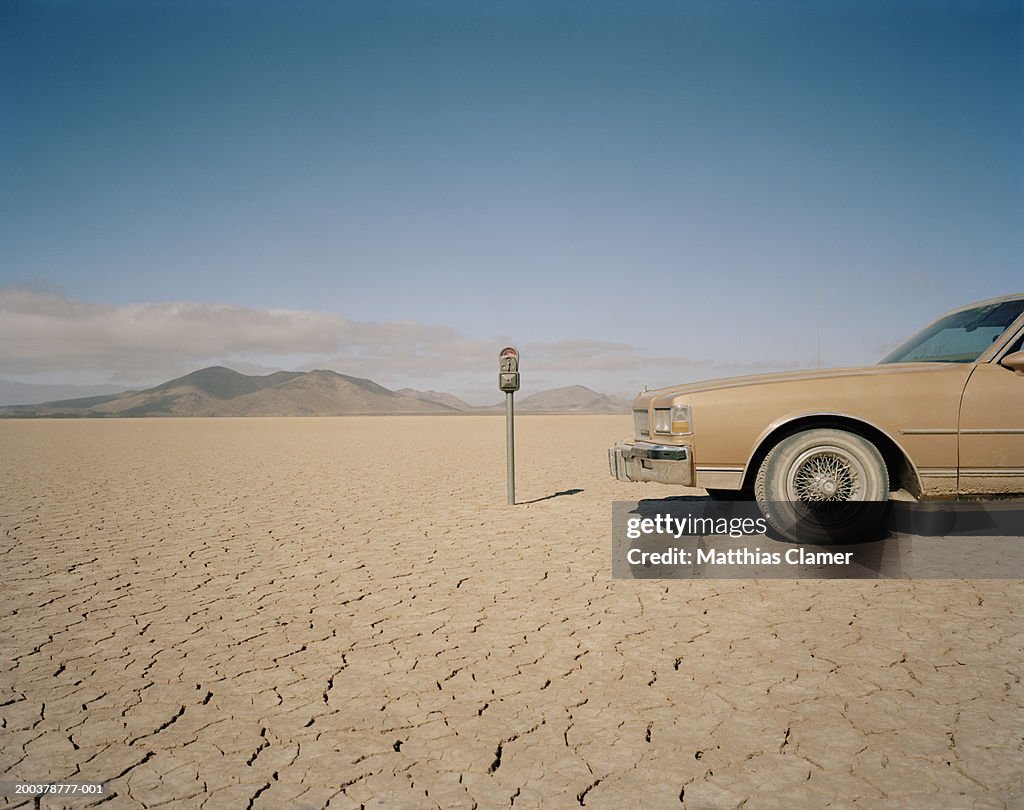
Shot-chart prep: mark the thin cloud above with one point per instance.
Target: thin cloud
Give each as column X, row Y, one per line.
column 591, row 355
column 602, row 356
column 47, row 332
column 42, row 331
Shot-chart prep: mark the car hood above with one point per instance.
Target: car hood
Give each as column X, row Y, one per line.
column 879, row 370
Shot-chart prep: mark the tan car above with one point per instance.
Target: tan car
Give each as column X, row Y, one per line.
column 941, row 416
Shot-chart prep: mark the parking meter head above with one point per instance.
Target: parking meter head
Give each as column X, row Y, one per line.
column 508, row 370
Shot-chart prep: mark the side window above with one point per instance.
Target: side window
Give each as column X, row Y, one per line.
column 1016, row 345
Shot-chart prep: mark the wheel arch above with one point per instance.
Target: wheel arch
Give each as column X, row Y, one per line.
column 902, row 472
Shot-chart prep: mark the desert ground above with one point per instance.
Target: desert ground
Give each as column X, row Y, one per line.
column 343, row 613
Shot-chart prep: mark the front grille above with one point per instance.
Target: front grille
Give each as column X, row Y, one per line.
column 641, row 423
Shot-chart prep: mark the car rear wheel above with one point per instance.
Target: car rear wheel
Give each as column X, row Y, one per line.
column 823, row 486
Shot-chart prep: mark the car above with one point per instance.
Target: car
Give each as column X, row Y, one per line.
column 939, row 417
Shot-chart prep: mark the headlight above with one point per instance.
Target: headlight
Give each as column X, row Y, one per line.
column 672, row 420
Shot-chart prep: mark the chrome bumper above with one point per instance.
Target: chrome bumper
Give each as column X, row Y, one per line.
column 644, row 461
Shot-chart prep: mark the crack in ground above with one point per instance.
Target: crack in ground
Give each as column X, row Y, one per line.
column 581, row 797
column 149, row 755
column 497, row 759
column 256, row 795
column 264, row 744
column 330, row 680
column 162, row 726
column 501, row 745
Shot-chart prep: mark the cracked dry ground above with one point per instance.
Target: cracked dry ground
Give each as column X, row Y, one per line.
column 343, row 613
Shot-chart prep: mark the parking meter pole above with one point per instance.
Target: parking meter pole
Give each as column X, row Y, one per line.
column 508, row 381
column 510, row 448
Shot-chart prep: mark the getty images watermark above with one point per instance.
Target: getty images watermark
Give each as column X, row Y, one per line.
column 696, row 538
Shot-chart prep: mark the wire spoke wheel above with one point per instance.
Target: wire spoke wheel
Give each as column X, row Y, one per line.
column 825, row 474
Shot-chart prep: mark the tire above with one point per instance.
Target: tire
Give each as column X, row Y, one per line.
column 823, row 486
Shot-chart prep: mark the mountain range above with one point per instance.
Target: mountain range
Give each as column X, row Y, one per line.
column 220, row 391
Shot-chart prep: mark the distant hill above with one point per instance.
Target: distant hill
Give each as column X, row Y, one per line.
column 220, row 391
column 19, row 393
column 438, row 397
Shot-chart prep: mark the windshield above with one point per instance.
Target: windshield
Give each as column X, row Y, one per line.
column 960, row 337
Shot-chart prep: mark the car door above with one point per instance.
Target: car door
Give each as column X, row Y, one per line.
column 991, row 431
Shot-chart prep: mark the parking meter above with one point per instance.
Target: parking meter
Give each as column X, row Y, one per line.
column 508, row 370
column 508, row 381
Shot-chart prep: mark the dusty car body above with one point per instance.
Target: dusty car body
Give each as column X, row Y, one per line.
column 942, row 416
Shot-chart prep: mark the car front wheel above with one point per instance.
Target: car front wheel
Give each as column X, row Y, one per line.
column 823, row 486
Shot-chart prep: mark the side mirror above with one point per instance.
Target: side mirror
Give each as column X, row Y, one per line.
column 1014, row 362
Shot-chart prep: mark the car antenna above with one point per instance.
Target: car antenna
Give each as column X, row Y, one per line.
column 817, row 307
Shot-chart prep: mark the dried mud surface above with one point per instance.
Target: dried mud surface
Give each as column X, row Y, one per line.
column 343, row 613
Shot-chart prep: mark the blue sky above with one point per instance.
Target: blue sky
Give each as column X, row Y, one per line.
column 630, row 192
